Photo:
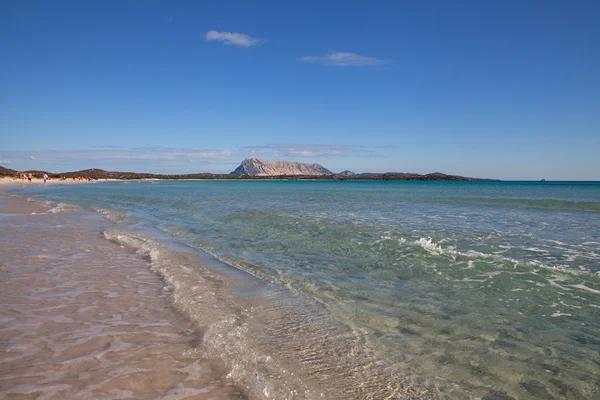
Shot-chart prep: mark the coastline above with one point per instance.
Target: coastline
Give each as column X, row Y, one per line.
column 270, row 292
column 84, row 318
column 210, row 328
column 11, row 181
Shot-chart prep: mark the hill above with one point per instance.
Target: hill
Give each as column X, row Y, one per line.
column 7, row 171
column 253, row 168
column 258, row 167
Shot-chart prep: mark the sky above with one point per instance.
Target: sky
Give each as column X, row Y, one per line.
column 493, row 89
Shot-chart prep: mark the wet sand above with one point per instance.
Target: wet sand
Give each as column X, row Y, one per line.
column 83, row 318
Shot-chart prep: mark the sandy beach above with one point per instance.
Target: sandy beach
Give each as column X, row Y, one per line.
column 11, row 181
column 82, row 318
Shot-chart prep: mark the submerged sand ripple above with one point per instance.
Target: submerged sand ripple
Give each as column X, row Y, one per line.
column 82, row 318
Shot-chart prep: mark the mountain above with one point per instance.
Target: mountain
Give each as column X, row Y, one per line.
column 346, row 173
column 257, row 167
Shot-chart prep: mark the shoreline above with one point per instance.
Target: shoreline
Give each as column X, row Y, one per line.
column 291, row 292
column 247, row 332
column 13, row 182
column 83, row 318
column 9, row 181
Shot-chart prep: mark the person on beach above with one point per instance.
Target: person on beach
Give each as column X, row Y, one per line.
column 45, row 179
column 23, row 178
column 29, row 177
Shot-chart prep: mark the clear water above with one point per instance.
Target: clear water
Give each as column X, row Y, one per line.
column 468, row 289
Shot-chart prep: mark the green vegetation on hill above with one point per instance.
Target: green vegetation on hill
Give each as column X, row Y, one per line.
column 102, row 174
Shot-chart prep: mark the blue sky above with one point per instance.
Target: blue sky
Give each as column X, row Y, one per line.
column 501, row 89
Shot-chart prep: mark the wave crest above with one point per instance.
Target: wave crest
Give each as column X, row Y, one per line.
column 200, row 295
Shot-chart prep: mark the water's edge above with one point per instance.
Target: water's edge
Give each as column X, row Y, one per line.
column 275, row 342
column 469, row 291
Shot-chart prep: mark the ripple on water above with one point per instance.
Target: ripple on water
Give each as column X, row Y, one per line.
column 83, row 328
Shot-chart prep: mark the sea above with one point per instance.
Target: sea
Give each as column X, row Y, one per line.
column 372, row 289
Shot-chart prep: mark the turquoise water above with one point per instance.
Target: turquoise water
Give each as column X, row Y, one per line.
column 469, row 289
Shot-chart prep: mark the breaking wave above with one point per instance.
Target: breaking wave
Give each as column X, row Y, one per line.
column 435, row 248
column 63, row 207
column 194, row 291
column 300, row 343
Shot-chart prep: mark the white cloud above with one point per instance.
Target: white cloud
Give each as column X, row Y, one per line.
column 232, row 38
column 343, row 59
column 181, row 160
column 311, row 150
column 3, row 161
column 32, row 158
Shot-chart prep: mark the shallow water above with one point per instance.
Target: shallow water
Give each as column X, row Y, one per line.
column 453, row 289
column 81, row 317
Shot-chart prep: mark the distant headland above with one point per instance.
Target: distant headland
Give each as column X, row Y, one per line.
column 254, row 168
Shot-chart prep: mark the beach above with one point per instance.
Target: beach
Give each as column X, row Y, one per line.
column 87, row 317
column 14, row 182
column 11, row 181
column 83, row 318
column 301, row 290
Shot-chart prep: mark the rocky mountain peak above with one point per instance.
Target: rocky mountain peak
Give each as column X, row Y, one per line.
column 258, row 167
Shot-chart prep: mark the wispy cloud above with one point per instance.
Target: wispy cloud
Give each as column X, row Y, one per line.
column 312, row 150
column 182, row 160
column 343, row 59
column 233, row 38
